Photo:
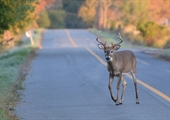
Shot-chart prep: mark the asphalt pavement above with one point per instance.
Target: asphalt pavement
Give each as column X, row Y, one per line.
column 66, row 82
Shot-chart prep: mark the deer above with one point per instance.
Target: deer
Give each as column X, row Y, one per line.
column 119, row 63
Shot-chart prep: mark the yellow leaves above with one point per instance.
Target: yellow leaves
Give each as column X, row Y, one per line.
column 87, row 11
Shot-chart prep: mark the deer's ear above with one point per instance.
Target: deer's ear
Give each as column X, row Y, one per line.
column 116, row 47
column 101, row 47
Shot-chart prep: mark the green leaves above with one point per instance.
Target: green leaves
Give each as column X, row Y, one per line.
column 151, row 31
column 16, row 14
column 131, row 11
column 5, row 20
column 43, row 21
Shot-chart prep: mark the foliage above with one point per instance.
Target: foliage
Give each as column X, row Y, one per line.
column 71, row 9
column 131, row 11
column 87, row 12
column 42, row 4
column 167, row 44
column 151, row 31
column 159, row 9
column 146, row 17
column 43, row 21
column 6, row 19
column 21, row 14
column 57, row 19
column 71, row 6
column 16, row 18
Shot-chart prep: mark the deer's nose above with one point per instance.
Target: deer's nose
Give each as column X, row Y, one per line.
column 107, row 57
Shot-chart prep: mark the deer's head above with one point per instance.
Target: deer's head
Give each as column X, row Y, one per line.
column 109, row 50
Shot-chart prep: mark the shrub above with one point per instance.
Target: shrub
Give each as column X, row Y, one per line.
column 57, row 19
column 167, row 45
column 151, row 32
column 43, row 21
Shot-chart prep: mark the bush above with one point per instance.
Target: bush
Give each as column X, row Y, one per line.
column 57, row 19
column 167, row 45
column 43, row 21
column 72, row 21
column 111, row 25
column 135, row 39
column 151, row 32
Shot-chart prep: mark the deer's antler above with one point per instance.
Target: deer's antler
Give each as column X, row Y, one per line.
column 120, row 37
column 104, row 44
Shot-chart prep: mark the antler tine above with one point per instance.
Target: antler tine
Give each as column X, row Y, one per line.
column 120, row 37
column 104, row 44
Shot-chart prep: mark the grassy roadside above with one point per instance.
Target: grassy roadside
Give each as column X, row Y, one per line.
column 163, row 54
column 14, row 67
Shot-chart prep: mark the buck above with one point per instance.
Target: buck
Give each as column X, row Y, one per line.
column 118, row 64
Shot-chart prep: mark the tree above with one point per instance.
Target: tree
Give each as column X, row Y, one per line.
column 57, row 19
column 42, row 5
column 87, row 12
column 94, row 12
column 132, row 11
column 43, row 21
column 159, row 9
column 17, row 15
column 105, row 5
column 151, row 31
column 6, row 18
column 71, row 8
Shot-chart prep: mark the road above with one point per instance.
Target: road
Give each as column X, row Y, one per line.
column 67, row 82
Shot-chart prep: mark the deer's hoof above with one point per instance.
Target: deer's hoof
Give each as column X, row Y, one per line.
column 120, row 103
column 137, row 102
column 117, row 104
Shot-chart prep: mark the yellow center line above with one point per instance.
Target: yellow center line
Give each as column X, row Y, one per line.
column 96, row 56
column 105, row 64
column 70, row 39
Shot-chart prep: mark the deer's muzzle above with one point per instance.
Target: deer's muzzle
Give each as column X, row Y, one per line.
column 108, row 58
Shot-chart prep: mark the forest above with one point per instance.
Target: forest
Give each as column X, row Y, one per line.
column 143, row 22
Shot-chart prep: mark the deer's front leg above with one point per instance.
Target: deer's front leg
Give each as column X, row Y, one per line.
column 118, row 88
column 111, row 79
column 124, row 84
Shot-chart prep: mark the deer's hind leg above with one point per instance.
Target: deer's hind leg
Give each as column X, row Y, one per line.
column 135, row 84
column 124, row 84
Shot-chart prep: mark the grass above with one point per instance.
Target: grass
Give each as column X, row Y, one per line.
column 111, row 37
column 10, row 76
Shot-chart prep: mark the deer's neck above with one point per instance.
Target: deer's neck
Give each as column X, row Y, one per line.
column 113, row 61
column 112, row 65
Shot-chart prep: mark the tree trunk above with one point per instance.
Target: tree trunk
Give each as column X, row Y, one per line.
column 101, row 14
column 96, row 15
column 104, row 17
column 100, row 19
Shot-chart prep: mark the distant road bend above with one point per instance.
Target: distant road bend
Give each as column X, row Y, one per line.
column 68, row 80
